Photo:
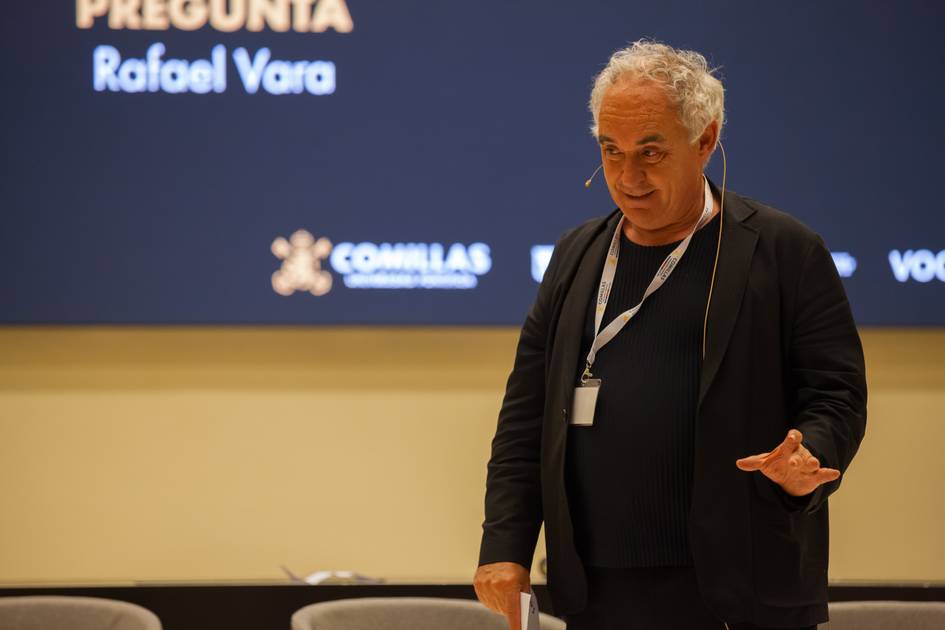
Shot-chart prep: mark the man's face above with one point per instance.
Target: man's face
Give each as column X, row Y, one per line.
column 653, row 172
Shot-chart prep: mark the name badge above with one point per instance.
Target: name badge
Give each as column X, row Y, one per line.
column 585, row 401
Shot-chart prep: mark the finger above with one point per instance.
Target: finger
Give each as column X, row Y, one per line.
column 493, row 601
column 826, row 475
column 479, row 594
column 811, row 465
column 513, row 611
column 490, row 603
column 803, row 450
column 484, row 595
column 755, row 462
column 795, row 461
column 792, row 441
column 788, row 446
column 487, row 601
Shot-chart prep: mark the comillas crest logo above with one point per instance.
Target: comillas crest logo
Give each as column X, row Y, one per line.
column 367, row 265
column 301, row 269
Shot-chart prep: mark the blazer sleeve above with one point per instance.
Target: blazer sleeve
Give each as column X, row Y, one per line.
column 513, row 506
column 827, row 370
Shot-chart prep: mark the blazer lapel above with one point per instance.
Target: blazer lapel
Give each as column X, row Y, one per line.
column 738, row 246
column 581, row 290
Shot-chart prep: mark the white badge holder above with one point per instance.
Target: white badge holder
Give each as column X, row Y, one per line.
column 585, row 402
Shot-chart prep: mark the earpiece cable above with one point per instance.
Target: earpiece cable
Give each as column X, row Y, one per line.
column 718, row 248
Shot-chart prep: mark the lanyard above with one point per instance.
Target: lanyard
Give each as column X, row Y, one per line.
column 602, row 337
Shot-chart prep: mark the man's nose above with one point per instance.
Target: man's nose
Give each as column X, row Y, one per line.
column 632, row 176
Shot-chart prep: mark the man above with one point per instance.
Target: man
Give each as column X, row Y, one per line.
column 687, row 390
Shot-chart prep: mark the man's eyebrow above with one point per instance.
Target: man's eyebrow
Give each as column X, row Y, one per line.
column 650, row 138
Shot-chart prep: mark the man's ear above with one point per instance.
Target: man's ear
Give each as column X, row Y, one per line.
column 707, row 141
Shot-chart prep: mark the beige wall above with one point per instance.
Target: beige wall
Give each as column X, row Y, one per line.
column 219, row 454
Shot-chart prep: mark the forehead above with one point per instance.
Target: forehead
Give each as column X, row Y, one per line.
column 634, row 107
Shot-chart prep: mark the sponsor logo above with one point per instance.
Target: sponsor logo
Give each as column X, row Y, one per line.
column 845, row 263
column 301, row 269
column 541, row 256
column 367, row 265
column 411, row 265
column 921, row 265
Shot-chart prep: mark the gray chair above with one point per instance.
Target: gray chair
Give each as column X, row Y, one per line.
column 886, row 616
column 49, row 612
column 405, row 613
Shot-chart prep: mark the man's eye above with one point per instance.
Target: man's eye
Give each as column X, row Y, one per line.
column 652, row 155
column 612, row 151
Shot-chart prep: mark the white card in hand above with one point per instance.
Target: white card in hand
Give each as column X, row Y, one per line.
column 529, row 607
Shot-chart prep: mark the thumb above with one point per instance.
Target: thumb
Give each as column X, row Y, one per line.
column 755, row 462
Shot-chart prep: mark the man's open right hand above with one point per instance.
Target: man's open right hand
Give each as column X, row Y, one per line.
column 498, row 586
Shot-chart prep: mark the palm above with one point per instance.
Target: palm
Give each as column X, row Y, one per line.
column 791, row 466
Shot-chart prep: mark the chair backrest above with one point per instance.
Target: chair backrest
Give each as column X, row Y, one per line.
column 886, row 616
column 50, row 612
column 405, row 613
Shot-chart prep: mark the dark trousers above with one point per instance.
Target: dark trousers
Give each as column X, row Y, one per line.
column 665, row 598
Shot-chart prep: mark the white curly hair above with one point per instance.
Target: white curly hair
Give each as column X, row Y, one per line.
column 685, row 74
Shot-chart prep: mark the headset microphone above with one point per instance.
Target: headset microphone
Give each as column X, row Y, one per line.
column 587, row 184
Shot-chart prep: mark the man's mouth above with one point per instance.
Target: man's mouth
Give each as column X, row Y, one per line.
column 638, row 197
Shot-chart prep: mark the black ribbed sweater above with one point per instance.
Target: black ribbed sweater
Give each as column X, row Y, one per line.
column 629, row 476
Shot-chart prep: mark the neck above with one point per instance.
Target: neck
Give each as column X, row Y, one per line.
column 672, row 233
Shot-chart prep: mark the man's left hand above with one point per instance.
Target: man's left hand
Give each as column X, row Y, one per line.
column 791, row 466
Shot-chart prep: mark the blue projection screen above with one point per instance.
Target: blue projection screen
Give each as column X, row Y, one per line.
column 378, row 162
